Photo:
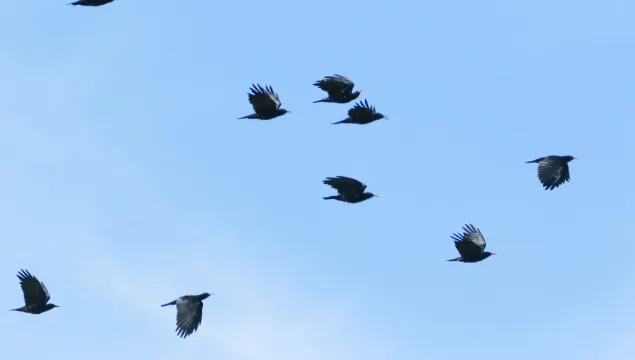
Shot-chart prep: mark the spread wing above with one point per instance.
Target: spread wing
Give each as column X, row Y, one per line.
column 335, row 85
column 35, row 293
column 552, row 173
column 471, row 242
column 189, row 315
column 264, row 99
column 345, row 185
column 361, row 110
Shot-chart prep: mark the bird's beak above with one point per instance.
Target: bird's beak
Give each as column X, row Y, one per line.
column 494, row 254
column 375, row 195
column 575, row 158
column 385, row 117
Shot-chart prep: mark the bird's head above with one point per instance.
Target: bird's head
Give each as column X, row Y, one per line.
column 283, row 111
column 205, row 295
column 371, row 195
column 356, row 94
column 382, row 116
column 51, row 306
column 569, row 158
column 488, row 254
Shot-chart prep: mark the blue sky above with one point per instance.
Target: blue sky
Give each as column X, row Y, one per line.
column 127, row 180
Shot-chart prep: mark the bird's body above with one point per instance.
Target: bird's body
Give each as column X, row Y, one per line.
column 553, row 170
column 189, row 313
column 362, row 114
column 36, row 296
column 91, row 2
column 266, row 103
column 349, row 190
column 339, row 88
column 470, row 245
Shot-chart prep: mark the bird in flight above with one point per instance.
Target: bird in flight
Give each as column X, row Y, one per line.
column 339, row 88
column 36, row 296
column 553, row 170
column 265, row 102
column 349, row 190
column 362, row 114
column 91, row 2
column 189, row 313
column 471, row 245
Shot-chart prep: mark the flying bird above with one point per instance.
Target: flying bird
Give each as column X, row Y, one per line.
column 189, row 313
column 91, row 2
column 553, row 170
column 349, row 190
column 471, row 245
column 362, row 114
column 339, row 88
column 36, row 296
column 265, row 102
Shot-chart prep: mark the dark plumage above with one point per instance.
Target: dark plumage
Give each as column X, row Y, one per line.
column 471, row 245
column 91, row 2
column 553, row 170
column 189, row 313
column 265, row 102
column 36, row 296
column 339, row 88
column 362, row 114
column 349, row 190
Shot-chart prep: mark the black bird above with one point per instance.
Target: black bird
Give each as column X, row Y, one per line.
column 189, row 313
column 36, row 296
column 265, row 102
column 470, row 245
column 362, row 114
column 349, row 190
column 339, row 88
column 553, row 170
column 91, row 2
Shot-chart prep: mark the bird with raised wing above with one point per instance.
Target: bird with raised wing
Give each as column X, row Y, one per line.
column 266, row 103
column 362, row 114
column 471, row 245
column 36, row 296
column 339, row 88
column 189, row 313
column 91, row 2
column 553, row 170
column 349, row 190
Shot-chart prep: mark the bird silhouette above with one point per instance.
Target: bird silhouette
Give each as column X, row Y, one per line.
column 362, row 114
column 189, row 313
column 471, row 245
column 36, row 296
column 339, row 88
column 349, row 190
column 266, row 103
column 553, row 170
column 91, row 2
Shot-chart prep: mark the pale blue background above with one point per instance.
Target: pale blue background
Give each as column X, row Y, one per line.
column 127, row 180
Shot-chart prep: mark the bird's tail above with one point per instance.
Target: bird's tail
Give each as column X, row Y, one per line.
column 347, row 120
column 330, row 197
column 533, row 161
column 457, row 259
column 252, row 116
column 170, row 303
column 323, row 100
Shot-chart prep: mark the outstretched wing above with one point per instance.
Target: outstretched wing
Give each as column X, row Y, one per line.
column 264, row 99
column 552, row 172
column 35, row 293
column 361, row 110
column 345, row 185
column 189, row 315
column 471, row 242
column 335, row 85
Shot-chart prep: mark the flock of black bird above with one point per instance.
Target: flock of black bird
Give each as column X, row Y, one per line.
column 553, row 171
